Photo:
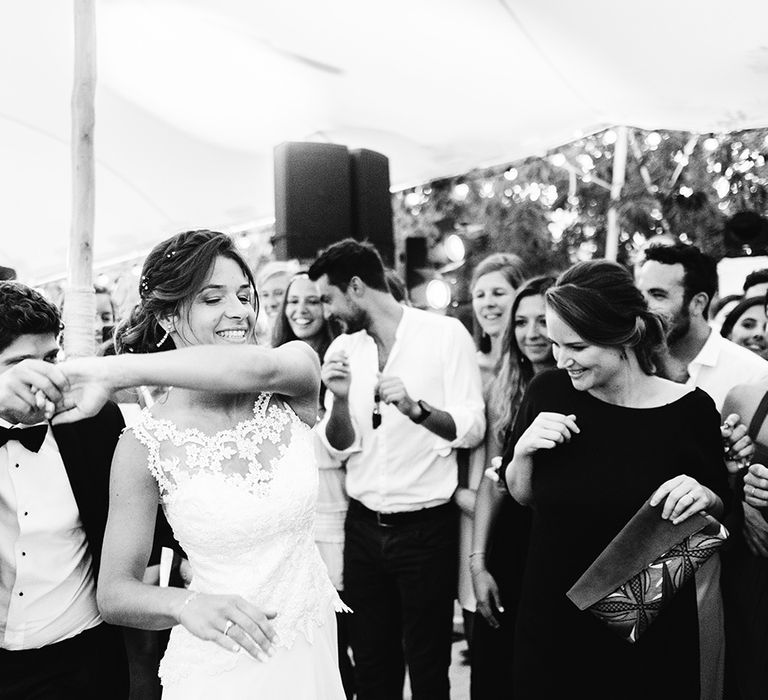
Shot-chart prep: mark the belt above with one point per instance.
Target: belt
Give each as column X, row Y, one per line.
column 407, row 517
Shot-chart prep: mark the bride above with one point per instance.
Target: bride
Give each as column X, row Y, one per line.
column 229, row 454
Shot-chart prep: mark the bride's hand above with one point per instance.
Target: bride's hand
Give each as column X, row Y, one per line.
column 231, row 622
column 89, row 388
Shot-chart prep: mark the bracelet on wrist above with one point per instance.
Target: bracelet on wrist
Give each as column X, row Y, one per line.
column 186, row 602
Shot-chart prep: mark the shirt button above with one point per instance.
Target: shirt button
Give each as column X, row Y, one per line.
column 26, row 512
column 17, row 466
column 20, row 594
column 23, row 554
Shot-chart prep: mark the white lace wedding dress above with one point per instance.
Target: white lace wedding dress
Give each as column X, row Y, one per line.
column 242, row 505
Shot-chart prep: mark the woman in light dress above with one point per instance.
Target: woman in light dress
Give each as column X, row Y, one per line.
column 229, row 454
column 300, row 317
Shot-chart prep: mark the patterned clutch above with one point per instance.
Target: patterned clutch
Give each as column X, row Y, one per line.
column 626, row 592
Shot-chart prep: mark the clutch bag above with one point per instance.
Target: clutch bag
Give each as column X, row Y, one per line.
column 642, row 568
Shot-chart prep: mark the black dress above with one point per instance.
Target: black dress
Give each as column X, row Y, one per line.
column 492, row 649
column 745, row 595
column 584, row 492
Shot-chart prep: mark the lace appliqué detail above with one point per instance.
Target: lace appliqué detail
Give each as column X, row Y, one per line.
column 197, row 451
column 242, row 505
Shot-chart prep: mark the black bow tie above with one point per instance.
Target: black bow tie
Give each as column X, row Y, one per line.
column 32, row 438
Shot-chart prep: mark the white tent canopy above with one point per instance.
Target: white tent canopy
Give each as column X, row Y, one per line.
column 193, row 95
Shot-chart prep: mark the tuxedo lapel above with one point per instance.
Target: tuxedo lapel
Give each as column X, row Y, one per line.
column 73, row 452
column 86, row 448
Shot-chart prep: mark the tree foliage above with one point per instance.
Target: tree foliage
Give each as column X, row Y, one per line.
column 552, row 209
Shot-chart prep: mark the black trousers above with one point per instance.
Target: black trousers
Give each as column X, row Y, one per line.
column 400, row 581
column 89, row 666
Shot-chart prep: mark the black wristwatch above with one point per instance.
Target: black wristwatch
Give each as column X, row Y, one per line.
column 425, row 412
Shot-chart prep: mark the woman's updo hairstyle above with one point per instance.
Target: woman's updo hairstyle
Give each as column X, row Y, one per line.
column 173, row 272
column 599, row 300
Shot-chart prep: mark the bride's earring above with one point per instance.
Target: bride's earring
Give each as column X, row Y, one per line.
column 163, row 339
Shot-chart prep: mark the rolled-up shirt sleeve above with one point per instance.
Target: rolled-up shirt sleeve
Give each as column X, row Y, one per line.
column 463, row 389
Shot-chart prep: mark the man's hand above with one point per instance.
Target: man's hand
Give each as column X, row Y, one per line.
column 738, row 446
column 89, row 388
column 29, row 390
column 335, row 374
column 392, row 390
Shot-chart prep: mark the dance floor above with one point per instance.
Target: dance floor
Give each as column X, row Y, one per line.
column 459, row 671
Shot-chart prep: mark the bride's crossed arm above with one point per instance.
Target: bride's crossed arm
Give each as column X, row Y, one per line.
column 292, row 370
column 122, row 596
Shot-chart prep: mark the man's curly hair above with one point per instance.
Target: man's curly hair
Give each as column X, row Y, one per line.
column 23, row 311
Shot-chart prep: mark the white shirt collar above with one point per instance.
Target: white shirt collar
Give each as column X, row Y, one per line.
column 710, row 351
column 5, row 424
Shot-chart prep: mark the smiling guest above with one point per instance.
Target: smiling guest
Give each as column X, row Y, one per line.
column 500, row 526
column 592, row 442
column 406, row 392
column 745, row 325
column 493, row 286
column 300, row 317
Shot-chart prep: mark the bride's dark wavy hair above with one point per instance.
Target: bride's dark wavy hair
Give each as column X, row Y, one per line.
column 173, row 272
column 599, row 300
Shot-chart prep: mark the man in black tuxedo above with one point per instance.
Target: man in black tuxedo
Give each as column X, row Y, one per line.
column 54, row 484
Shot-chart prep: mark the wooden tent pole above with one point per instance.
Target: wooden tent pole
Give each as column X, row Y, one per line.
column 619, row 174
column 80, row 302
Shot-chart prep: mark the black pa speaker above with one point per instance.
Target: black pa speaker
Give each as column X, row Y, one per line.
column 746, row 229
column 372, row 202
column 415, row 259
column 312, row 198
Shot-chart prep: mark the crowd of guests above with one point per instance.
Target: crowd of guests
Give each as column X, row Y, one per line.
column 487, row 467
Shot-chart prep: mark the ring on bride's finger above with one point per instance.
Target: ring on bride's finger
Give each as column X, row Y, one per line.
column 227, row 627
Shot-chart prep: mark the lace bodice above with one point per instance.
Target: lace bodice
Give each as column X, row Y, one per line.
column 241, row 503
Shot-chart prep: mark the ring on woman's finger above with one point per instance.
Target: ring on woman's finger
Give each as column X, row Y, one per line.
column 227, row 627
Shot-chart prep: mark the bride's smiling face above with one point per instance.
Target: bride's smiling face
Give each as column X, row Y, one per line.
column 220, row 312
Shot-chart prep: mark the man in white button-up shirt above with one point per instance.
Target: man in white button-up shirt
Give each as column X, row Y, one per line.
column 414, row 396
column 678, row 282
column 53, row 507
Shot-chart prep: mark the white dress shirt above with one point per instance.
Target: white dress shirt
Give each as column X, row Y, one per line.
column 721, row 365
column 402, row 466
column 47, row 591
